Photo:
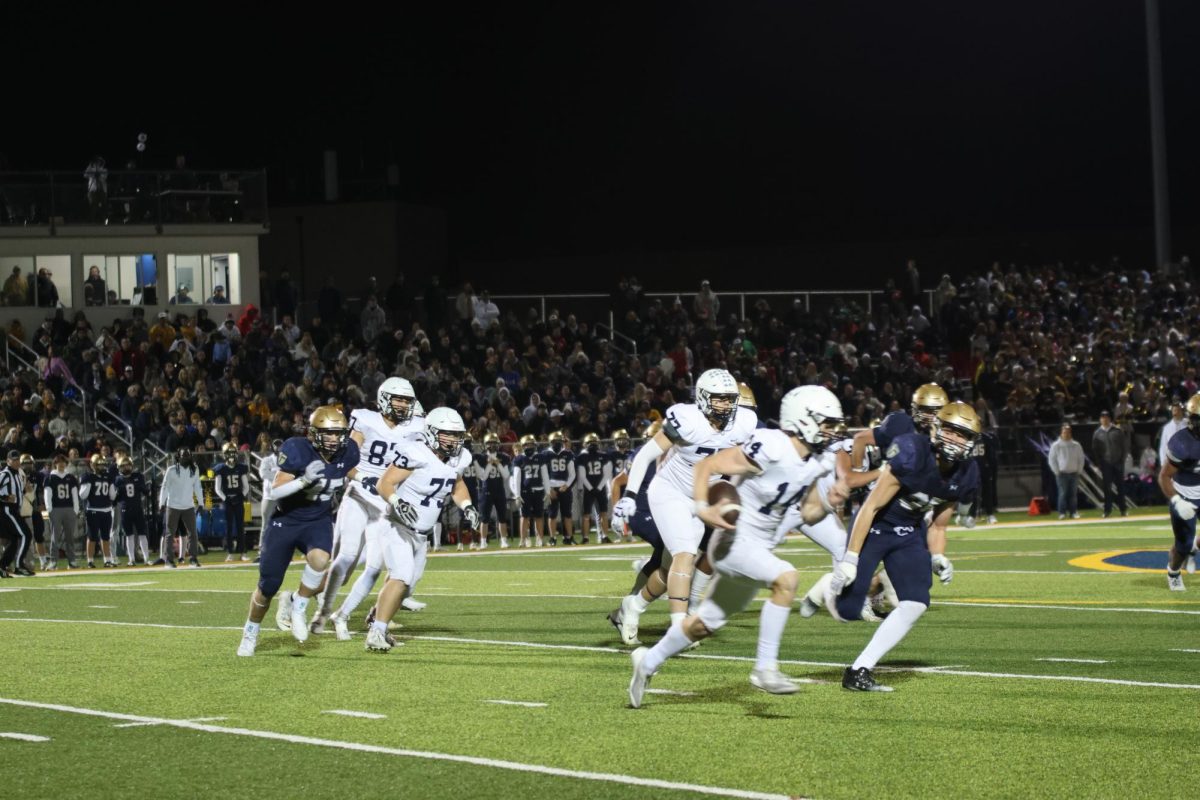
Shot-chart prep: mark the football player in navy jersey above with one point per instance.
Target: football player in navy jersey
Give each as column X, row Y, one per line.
column 98, row 492
column 132, row 492
column 923, row 473
column 1180, row 482
column 595, row 472
column 311, row 470
column 927, row 400
column 230, row 486
column 494, row 468
column 558, row 476
column 529, row 491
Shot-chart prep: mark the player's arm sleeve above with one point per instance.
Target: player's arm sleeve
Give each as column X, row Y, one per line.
column 606, row 474
column 571, row 472
column 84, row 490
column 514, row 481
column 47, row 496
column 583, row 479
column 646, row 455
column 545, row 470
column 218, row 487
column 112, row 491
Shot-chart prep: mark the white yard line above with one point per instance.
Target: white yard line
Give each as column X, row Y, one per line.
column 602, row 777
column 1098, row 609
column 1183, row 650
column 1075, row 660
column 147, row 724
column 670, row 692
column 24, row 737
column 341, row 712
column 521, row 703
column 189, row 602
column 101, row 606
column 102, row 585
column 13, row 611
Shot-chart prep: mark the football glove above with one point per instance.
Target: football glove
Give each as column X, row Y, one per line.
column 1182, row 508
column 314, row 472
column 942, row 568
column 405, row 510
column 471, row 515
column 844, row 573
column 625, row 508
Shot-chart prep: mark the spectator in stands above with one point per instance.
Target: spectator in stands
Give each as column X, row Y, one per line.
column 182, row 297
column 218, row 296
column 229, row 329
column 486, row 312
column 94, row 291
column 464, row 306
column 706, row 305
column 16, row 289
column 290, row 330
column 47, row 292
column 1066, row 462
column 373, row 320
column 1109, row 450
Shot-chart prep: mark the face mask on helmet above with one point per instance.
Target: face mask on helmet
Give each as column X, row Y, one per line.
column 924, row 417
column 449, row 443
column 623, row 445
column 720, row 407
column 330, row 441
column 594, row 447
column 492, row 447
column 126, row 468
column 953, row 441
column 398, row 408
column 556, row 446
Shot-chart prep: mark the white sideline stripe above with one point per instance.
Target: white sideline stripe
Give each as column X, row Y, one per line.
column 24, row 737
column 603, row 558
column 1076, row 660
column 520, row 584
column 189, row 602
column 1072, row 608
column 10, row 590
column 1183, row 650
column 606, row 777
column 516, row 703
column 101, row 606
column 341, row 712
column 103, row 585
column 145, row 724
column 585, row 648
column 13, row 611
column 1087, row 572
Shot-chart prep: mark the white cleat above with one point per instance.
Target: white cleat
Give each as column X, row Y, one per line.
column 318, row 623
column 772, row 681
column 630, row 617
column 807, row 607
column 378, row 642
column 413, row 605
column 299, row 625
column 504, row 544
column 246, row 648
column 640, row 680
column 868, row 613
column 340, row 629
column 991, row 519
column 812, row 602
column 969, row 522
column 1190, row 564
column 283, row 612
column 1175, row 583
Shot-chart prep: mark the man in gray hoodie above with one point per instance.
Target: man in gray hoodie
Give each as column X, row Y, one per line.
column 1109, row 449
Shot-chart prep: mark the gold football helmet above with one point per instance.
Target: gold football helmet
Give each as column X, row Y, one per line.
column 229, row 453
column 98, row 463
column 591, row 442
column 1192, row 409
column 529, row 444
column 328, row 431
column 746, row 397
column 961, row 421
column 926, row 401
column 621, row 440
column 125, row 465
column 555, row 441
column 491, row 442
column 26, row 461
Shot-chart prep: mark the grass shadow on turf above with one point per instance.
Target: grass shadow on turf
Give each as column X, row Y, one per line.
column 754, row 702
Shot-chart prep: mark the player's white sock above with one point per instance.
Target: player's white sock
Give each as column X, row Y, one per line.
column 700, row 582
column 770, row 633
column 677, row 617
column 252, row 628
column 891, row 632
column 339, row 570
column 379, row 626
column 361, row 588
column 675, row 641
column 299, row 603
column 437, row 535
column 144, row 545
column 638, row 602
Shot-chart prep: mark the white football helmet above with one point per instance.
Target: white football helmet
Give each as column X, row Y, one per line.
column 717, row 385
column 390, row 390
column 814, row 414
column 445, row 432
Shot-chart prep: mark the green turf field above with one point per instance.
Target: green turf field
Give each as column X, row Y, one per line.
column 159, row 705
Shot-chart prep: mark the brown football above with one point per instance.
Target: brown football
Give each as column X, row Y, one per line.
column 724, row 496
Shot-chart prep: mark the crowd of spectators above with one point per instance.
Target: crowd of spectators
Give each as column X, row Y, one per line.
column 1039, row 345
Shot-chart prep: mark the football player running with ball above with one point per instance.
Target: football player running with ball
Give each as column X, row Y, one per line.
column 1180, row 482
column 690, row 433
column 311, row 470
column 923, row 473
column 781, row 468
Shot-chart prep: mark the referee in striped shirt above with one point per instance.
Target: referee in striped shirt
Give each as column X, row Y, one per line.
column 12, row 528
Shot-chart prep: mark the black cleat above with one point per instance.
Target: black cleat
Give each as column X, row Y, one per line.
column 159, row 563
column 24, row 573
column 614, row 619
column 861, row 680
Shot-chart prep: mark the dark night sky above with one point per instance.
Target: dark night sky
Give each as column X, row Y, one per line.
column 560, row 130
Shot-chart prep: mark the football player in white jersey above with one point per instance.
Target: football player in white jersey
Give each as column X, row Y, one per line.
column 689, row 433
column 780, row 467
column 380, row 435
column 416, row 486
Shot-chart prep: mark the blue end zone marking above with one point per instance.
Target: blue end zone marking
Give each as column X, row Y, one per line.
column 1140, row 559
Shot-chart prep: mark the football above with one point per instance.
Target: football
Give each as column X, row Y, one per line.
column 722, row 495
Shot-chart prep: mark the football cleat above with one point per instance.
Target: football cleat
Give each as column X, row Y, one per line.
column 340, row 629
column 640, row 680
column 991, row 519
column 299, row 625
column 246, row 648
column 283, row 612
column 412, row 605
column 1190, row 564
column 228, row 557
column 318, row 623
column 1175, row 582
column 808, row 608
column 868, row 612
column 772, row 681
column 862, row 680
column 630, row 618
column 377, row 642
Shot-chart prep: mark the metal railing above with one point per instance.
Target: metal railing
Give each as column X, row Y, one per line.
column 133, row 197
column 27, row 357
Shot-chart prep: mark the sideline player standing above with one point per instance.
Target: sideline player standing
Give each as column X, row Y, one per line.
column 783, row 467
column 62, row 498
column 1180, row 482
column 311, row 470
column 131, row 494
column 594, row 469
column 230, row 486
column 922, row 473
column 98, row 493
column 528, row 489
